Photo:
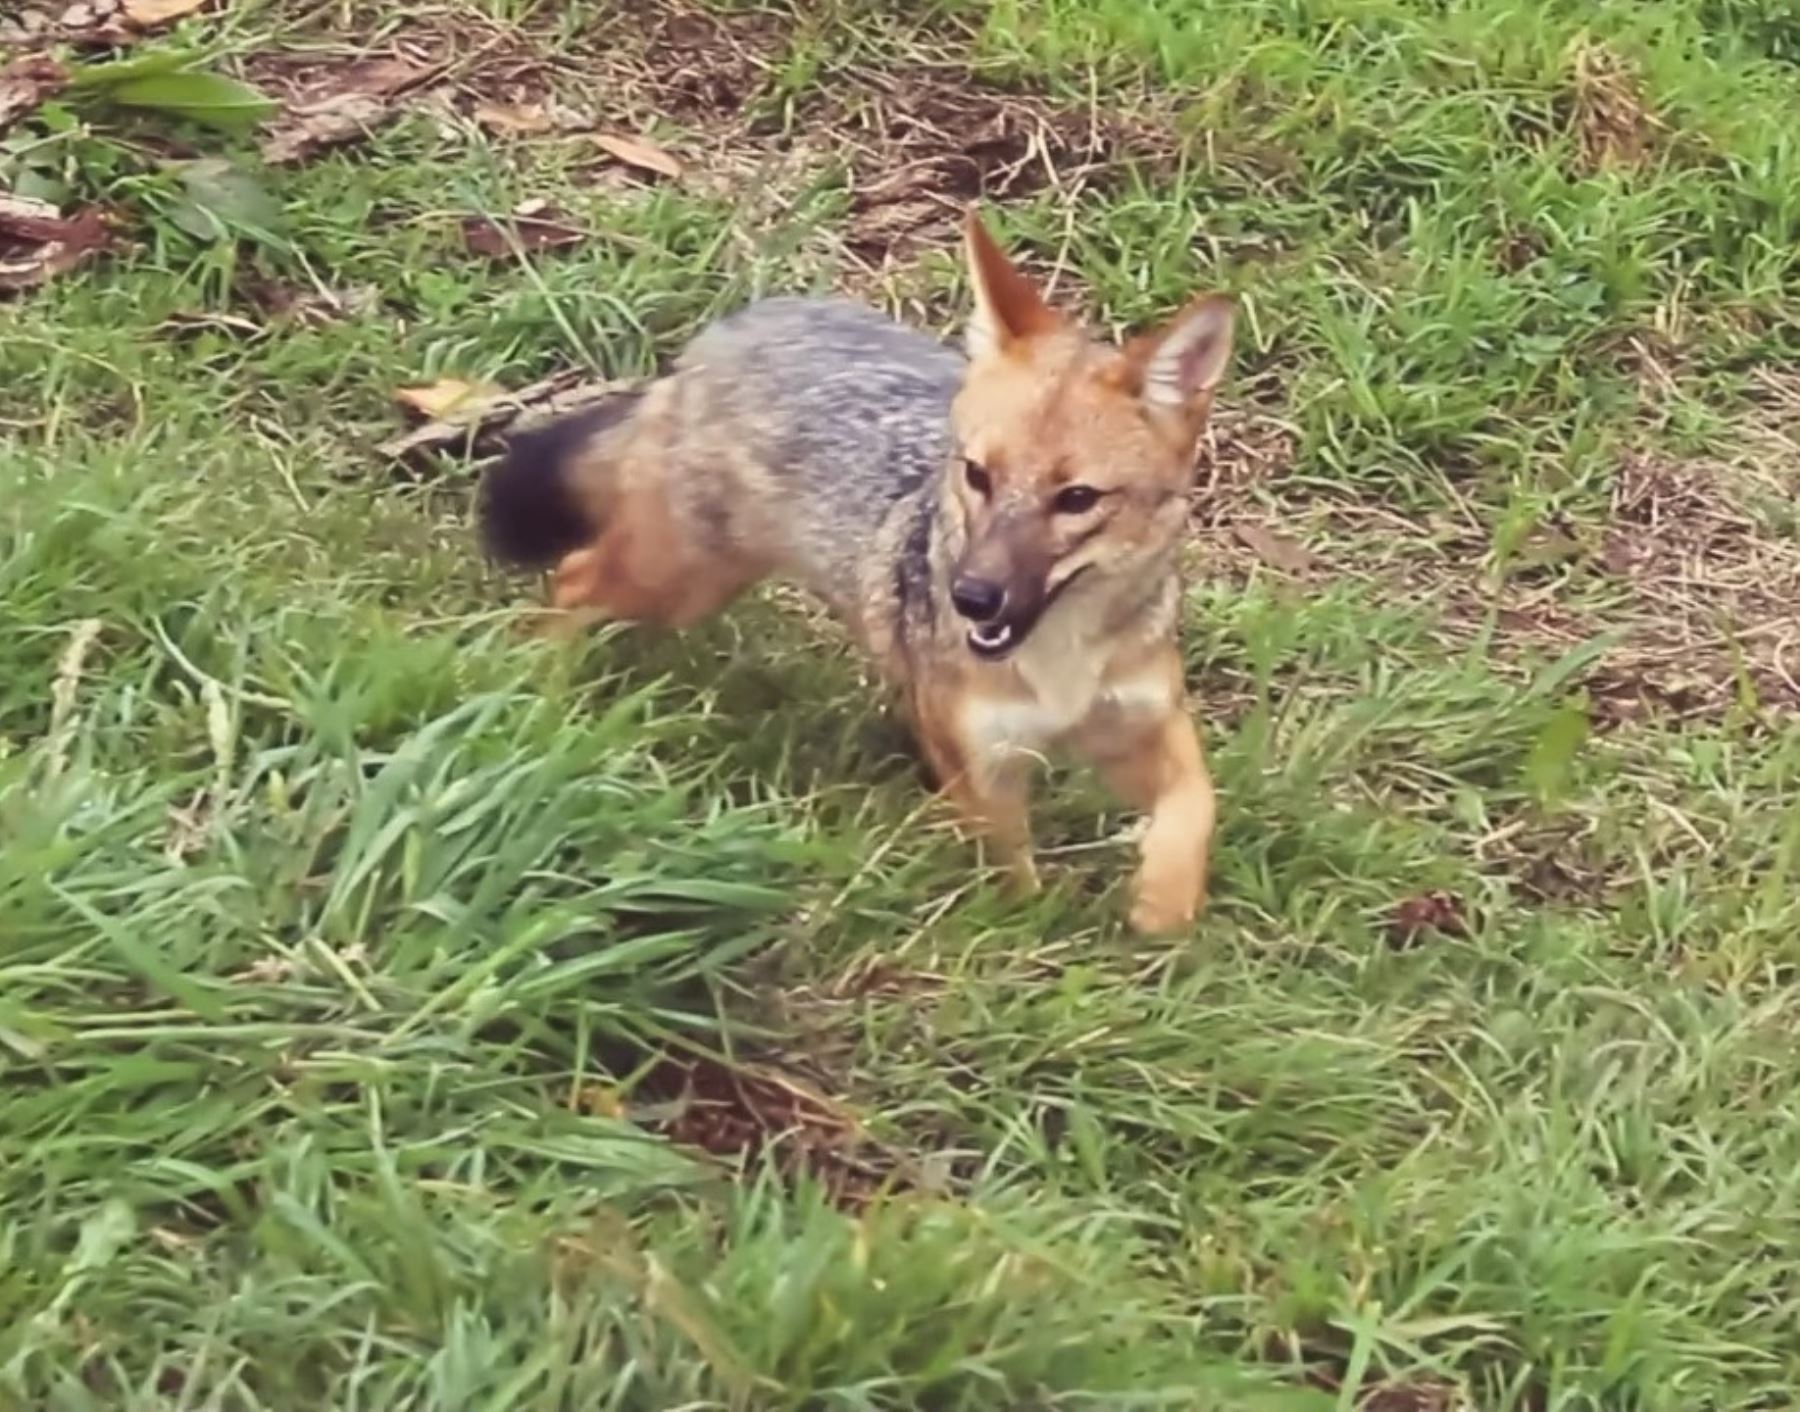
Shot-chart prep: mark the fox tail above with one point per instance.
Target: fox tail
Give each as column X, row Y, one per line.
column 529, row 509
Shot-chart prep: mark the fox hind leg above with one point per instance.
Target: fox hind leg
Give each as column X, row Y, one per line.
column 642, row 568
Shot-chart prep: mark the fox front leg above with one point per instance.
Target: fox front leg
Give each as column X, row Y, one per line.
column 991, row 797
column 1158, row 766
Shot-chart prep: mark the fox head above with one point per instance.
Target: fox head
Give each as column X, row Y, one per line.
column 1075, row 458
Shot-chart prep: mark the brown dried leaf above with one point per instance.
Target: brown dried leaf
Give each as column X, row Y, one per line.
column 881, row 230
column 1275, row 550
column 88, row 23
column 528, row 233
column 146, row 14
column 26, row 218
column 449, row 398
column 27, row 82
column 640, row 153
column 350, row 104
column 37, row 243
column 384, row 76
column 315, row 306
column 304, row 130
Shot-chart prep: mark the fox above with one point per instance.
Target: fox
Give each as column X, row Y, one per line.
column 999, row 528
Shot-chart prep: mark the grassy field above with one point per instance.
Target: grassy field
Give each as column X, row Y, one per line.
column 396, row 1013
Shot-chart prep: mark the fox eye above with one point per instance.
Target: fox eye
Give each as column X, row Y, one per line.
column 1075, row 500
column 977, row 479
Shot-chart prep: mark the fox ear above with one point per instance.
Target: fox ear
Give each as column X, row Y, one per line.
column 1007, row 304
column 1178, row 368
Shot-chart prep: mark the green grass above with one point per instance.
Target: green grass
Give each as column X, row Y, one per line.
column 346, row 936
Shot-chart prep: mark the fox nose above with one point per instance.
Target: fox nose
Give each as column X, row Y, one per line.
column 978, row 599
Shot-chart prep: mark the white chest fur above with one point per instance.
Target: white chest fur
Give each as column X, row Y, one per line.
column 1057, row 686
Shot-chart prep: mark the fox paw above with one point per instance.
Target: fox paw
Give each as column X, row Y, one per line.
column 1022, row 877
column 1158, row 913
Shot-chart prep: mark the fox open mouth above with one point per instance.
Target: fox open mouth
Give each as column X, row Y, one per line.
column 996, row 638
column 993, row 640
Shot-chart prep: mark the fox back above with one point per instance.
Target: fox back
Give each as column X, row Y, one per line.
column 799, row 424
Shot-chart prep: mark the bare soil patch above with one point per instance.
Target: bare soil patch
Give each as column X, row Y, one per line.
column 743, row 1112
column 1695, row 572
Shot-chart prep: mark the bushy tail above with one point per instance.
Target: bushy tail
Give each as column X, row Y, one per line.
column 529, row 511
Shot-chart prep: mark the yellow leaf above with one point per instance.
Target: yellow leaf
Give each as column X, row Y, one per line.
column 600, row 1100
column 447, row 397
column 641, row 153
column 522, row 121
column 144, row 13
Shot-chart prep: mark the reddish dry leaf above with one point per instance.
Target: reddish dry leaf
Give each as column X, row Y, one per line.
column 27, row 82
column 1437, row 912
column 528, row 233
column 146, row 14
column 1275, row 550
column 37, row 243
column 640, row 153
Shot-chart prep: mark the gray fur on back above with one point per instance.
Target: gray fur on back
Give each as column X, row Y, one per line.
column 848, row 410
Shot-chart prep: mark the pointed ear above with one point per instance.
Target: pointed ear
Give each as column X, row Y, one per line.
column 1007, row 304
column 1178, row 368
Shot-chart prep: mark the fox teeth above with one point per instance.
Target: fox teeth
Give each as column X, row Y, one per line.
column 991, row 635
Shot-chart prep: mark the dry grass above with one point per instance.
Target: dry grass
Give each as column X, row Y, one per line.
column 1693, row 574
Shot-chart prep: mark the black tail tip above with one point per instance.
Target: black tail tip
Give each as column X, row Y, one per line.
column 530, row 515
